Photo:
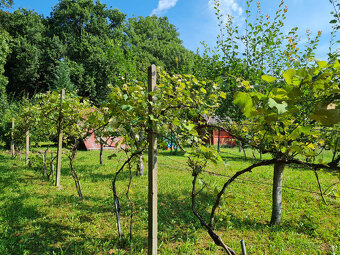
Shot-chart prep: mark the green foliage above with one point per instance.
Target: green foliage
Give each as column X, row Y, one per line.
column 42, row 117
column 257, row 52
column 335, row 23
column 153, row 40
column 129, row 106
column 292, row 120
column 62, row 78
column 6, row 3
column 5, row 109
column 89, row 31
column 4, row 51
column 24, row 63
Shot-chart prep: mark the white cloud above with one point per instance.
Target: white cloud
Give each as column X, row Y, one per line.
column 230, row 7
column 163, row 6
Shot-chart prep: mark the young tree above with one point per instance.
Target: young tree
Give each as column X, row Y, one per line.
column 181, row 113
column 79, row 119
column 288, row 104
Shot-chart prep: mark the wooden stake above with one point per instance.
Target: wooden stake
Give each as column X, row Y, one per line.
column 152, row 169
column 27, row 146
column 60, row 140
column 12, row 139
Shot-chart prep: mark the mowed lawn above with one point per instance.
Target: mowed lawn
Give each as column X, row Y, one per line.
column 38, row 218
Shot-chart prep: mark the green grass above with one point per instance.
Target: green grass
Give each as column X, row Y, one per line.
column 37, row 218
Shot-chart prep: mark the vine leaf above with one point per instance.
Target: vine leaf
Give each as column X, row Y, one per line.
column 281, row 108
column 268, row 78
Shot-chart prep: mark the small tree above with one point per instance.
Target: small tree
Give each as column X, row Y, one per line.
column 291, row 123
column 181, row 102
column 79, row 120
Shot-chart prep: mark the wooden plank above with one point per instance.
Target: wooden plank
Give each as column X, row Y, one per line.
column 152, row 169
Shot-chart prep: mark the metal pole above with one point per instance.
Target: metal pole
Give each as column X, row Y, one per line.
column 152, row 169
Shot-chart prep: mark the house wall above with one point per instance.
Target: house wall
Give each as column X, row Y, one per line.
column 225, row 138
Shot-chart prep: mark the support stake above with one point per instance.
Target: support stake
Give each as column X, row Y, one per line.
column 152, row 169
column 60, row 140
column 27, row 145
column 12, row 139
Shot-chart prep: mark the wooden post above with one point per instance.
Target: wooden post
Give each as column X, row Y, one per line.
column 60, row 141
column 27, row 146
column 152, row 169
column 219, row 140
column 12, row 139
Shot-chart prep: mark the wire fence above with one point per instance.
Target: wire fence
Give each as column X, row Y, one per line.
column 244, row 180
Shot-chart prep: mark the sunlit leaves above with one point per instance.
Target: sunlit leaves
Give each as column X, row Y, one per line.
column 289, row 77
column 281, row 108
column 296, row 118
column 245, row 102
column 268, row 78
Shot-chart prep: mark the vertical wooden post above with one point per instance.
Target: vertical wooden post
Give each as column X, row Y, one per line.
column 12, row 139
column 219, row 140
column 60, row 140
column 152, row 169
column 27, row 145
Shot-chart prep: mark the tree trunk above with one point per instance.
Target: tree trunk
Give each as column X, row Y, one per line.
column 101, row 151
column 277, row 193
column 140, row 165
column 75, row 178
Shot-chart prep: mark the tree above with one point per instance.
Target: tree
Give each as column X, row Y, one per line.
column 179, row 114
column 289, row 105
column 78, row 117
column 260, row 46
column 290, row 123
column 62, row 78
column 334, row 53
column 153, row 40
column 87, row 30
column 4, row 106
column 24, row 62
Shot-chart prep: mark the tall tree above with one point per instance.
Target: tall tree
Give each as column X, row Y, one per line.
column 23, row 63
column 87, row 29
column 153, row 40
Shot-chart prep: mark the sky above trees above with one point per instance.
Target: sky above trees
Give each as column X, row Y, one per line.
column 196, row 22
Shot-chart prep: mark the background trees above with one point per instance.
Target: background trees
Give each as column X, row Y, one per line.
column 24, row 64
column 153, row 40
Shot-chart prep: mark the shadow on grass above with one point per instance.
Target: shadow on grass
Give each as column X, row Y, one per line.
column 168, row 153
column 27, row 231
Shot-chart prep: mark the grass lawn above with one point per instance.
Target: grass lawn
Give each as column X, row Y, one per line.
column 37, row 218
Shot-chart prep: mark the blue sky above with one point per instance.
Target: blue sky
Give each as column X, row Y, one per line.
column 196, row 22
